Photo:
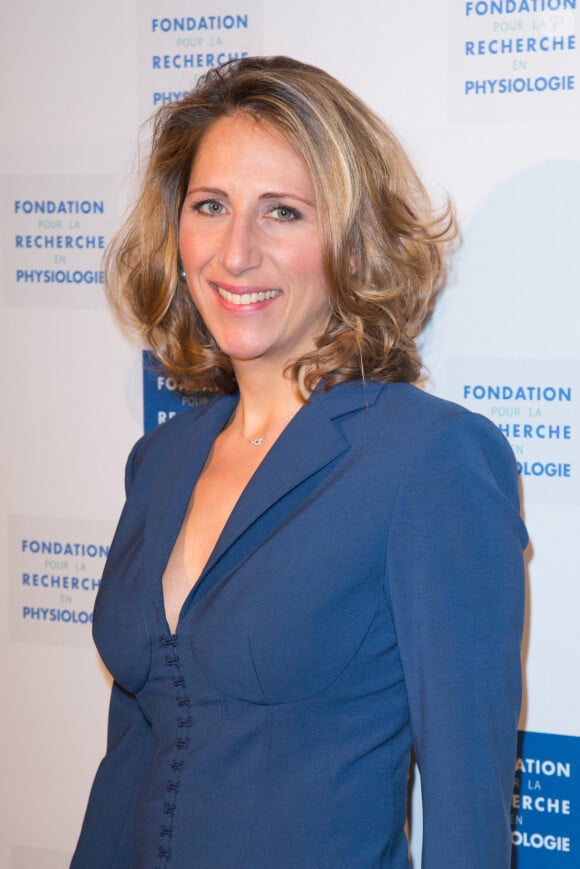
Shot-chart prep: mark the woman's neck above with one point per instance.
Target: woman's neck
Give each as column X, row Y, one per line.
column 267, row 398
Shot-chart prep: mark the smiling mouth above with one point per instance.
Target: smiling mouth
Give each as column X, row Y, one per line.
column 246, row 298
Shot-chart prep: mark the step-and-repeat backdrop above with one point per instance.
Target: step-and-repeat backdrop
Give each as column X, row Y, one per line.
column 486, row 95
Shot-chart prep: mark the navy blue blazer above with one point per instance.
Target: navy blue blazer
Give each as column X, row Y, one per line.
column 365, row 596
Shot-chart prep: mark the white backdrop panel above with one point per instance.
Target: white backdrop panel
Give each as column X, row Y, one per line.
column 489, row 112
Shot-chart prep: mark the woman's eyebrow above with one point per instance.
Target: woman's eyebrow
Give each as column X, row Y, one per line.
column 214, row 191
column 269, row 194
column 276, row 194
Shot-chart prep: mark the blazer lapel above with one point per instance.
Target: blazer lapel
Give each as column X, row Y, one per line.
column 173, row 486
column 309, row 443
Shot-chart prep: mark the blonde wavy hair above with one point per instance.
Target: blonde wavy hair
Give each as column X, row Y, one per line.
column 384, row 247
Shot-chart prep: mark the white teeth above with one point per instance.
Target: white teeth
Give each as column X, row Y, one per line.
column 246, row 298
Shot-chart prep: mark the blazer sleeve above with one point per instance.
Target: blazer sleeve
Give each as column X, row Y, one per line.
column 106, row 839
column 455, row 577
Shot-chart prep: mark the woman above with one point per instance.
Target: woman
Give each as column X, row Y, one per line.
column 322, row 566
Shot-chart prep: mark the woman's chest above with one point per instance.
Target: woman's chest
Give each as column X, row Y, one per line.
column 225, row 476
column 283, row 609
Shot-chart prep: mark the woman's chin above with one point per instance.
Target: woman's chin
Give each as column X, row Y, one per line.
column 242, row 350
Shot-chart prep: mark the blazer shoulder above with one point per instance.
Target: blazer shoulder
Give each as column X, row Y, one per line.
column 414, row 402
column 156, row 445
column 426, row 415
column 425, row 432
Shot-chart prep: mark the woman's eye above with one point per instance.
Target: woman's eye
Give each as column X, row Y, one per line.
column 285, row 213
column 209, row 206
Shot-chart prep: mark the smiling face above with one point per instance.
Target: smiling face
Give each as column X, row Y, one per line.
column 250, row 244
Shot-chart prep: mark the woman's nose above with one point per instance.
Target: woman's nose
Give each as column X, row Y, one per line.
column 240, row 250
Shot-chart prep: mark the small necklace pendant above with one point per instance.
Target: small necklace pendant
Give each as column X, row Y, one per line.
column 257, row 441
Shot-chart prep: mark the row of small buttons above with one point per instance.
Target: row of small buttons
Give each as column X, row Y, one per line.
column 182, row 743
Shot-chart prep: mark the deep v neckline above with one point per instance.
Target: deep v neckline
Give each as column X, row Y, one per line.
column 175, row 484
column 180, row 579
column 311, row 440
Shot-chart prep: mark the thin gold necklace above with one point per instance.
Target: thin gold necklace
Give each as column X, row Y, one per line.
column 256, row 442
